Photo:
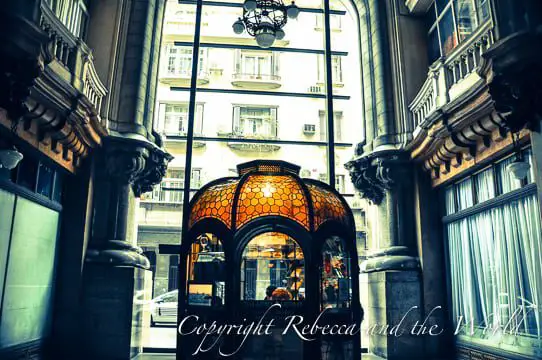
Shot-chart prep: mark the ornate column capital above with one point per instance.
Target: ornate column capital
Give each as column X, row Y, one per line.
column 138, row 163
column 375, row 173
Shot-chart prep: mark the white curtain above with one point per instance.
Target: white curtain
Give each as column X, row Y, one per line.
column 496, row 266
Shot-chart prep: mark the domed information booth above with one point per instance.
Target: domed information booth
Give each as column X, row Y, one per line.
column 270, row 269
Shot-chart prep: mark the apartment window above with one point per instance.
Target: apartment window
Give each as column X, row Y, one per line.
column 340, row 184
column 176, row 119
column 257, row 63
column 254, row 122
column 170, row 190
column 494, row 252
column 179, row 61
column 451, row 22
column 336, row 69
column 337, row 125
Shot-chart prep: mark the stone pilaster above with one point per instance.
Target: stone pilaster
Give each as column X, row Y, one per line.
column 385, row 179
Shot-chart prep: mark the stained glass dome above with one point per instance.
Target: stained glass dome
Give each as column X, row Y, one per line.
column 269, row 188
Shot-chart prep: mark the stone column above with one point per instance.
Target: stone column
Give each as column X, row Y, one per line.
column 393, row 272
column 116, row 278
column 125, row 36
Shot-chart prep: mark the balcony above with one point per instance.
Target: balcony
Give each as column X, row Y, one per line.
column 452, row 79
column 256, row 81
column 182, row 78
column 172, row 135
column 258, row 143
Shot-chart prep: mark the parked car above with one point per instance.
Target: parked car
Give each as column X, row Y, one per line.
column 164, row 308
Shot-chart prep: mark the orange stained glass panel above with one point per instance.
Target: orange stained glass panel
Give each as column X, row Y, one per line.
column 327, row 206
column 279, row 195
column 216, row 202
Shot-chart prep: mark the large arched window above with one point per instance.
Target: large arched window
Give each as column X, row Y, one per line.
column 253, row 103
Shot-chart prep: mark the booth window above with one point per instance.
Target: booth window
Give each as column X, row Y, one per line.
column 206, row 272
column 273, row 268
column 336, row 289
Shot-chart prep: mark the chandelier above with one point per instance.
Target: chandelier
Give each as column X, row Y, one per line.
column 264, row 19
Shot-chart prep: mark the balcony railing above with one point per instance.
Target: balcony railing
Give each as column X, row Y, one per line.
column 251, row 142
column 71, row 59
column 452, row 76
column 259, row 81
column 183, row 77
column 170, row 191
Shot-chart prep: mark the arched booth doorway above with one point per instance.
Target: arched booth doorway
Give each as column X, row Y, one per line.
column 270, row 260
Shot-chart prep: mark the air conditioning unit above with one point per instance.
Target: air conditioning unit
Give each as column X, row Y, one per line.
column 315, row 89
column 309, row 129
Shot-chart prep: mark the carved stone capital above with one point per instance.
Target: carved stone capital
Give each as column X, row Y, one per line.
column 515, row 84
column 373, row 174
column 155, row 170
column 137, row 163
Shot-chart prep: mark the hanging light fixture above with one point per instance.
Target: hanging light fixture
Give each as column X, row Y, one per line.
column 264, row 19
column 519, row 168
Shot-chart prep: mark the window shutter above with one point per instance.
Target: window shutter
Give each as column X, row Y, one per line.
column 323, row 123
column 274, row 123
column 236, row 120
column 237, row 60
column 276, row 64
column 338, row 118
column 198, row 120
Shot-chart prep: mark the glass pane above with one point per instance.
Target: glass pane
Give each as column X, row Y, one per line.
column 482, row 7
column 450, row 200
column 430, row 17
column 528, row 156
column 441, row 5
column 448, row 37
column 206, row 272
column 30, row 274
column 336, row 287
column 465, row 195
column 28, row 170
column 179, row 21
column 217, row 24
column 465, row 15
column 59, row 183
column 7, row 201
column 218, row 159
column 485, row 185
column 507, row 181
column 45, row 181
column 162, row 206
column 273, row 268
column 433, row 46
